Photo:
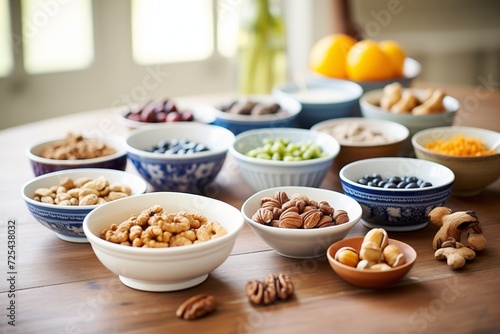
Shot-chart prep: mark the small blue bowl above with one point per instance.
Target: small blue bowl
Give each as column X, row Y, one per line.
column 67, row 221
column 397, row 209
column 190, row 173
column 323, row 99
column 287, row 118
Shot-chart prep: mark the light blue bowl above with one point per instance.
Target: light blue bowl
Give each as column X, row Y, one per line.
column 66, row 221
column 397, row 209
column 240, row 123
column 323, row 99
column 191, row 173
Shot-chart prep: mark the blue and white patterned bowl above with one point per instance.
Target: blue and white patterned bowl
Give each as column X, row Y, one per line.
column 397, row 209
column 191, row 173
column 66, row 221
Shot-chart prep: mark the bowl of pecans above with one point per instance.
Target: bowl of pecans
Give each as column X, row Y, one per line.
column 163, row 241
column 61, row 200
column 300, row 222
column 76, row 151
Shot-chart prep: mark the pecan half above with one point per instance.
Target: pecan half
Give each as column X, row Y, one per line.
column 290, row 218
column 196, row 307
column 311, row 218
column 282, row 197
column 272, row 289
column 263, row 216
column 340, row 217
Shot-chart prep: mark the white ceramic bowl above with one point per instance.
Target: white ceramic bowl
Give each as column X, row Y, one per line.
column 303, row 243
column 472, row 174
column 262, row 174
column 238, row 123
column 40, row 166
column 201, row 113
column 66, row 221
column 322, row 100
column 397, row 209
column 411, row 70
column 393, row 133
column 175, row 172
column 163, row 269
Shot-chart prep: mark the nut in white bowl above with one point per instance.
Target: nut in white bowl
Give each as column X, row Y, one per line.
column 300, row 242
column 163, row 269
column 262, row 174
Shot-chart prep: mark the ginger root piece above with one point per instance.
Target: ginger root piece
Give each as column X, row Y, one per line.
column 455, row 253
column 431, row 105
column 391, row 95
column 406, row 104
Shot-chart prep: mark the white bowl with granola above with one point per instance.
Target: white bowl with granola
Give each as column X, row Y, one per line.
column 163, row 241
column 292, row 232
column 61, row 200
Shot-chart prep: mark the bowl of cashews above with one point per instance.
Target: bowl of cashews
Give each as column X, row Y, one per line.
column 163, row 241
column 417, row 109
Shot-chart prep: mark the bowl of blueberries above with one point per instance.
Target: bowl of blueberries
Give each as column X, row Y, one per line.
column 183, row 157
column 396, row 193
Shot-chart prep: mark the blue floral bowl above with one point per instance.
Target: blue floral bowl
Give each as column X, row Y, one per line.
column 190, row 173
column 67, row 221
column 397, row 209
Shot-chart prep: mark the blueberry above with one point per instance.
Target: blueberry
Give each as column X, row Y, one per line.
column 363, row 181
column 425, row 184
column 395, row 179
column 411, row 185
column 390, row 185
column 377, row 176
column 372, row 184
column 402, row 185
column 411, row 179
column 368, row 177
column 382, row 183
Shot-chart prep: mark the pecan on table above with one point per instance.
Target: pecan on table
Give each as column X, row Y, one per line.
column 196, row 307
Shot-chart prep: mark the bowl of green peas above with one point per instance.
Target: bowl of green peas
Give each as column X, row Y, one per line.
column 279, row 157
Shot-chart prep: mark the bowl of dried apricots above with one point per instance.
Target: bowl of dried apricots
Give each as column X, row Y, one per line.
column 469, row 152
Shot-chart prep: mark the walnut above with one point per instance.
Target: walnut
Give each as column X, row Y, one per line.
column 272, row 289
column 196, row 307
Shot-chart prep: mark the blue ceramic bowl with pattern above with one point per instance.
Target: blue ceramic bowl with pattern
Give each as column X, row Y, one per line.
column 66, row 221
column 396, row 209
column 237, row 123
column 190, row 172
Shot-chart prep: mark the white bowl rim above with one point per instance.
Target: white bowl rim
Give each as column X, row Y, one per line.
column 194, row 126
column 379, row 123
column 203, row 113
column 295, row 231
column 287, row 114
column 288, row 89
column 334, row 146
column 113, row 247
column 396, row 160
column 69, row 172
column 451, row 130
column 448, row 101
column 117, row 142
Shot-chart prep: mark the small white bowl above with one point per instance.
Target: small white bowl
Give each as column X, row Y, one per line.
column 394, row 133
column 66, row 221
column 472, row 174
column 163, row 269
column 40, row 165
column 262, row 174
column 303, row 243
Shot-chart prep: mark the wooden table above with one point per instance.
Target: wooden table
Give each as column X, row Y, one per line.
column 61, row 287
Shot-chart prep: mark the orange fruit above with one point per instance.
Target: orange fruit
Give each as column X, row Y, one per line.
column 367, row 62
column 395, row 53
column 328, row 55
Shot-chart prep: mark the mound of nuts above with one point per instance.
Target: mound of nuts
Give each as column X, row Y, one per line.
column 399, row 101
column 82, row 191
column 274, row 288
column 297, row 211
column 76, row 147
column 375, row 253
column 157, row 228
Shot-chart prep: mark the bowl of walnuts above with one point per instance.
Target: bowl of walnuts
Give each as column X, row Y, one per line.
column 300, row 222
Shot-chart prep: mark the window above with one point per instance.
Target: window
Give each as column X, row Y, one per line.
column 6, row 57
column 172, row 31
column 57, row 35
